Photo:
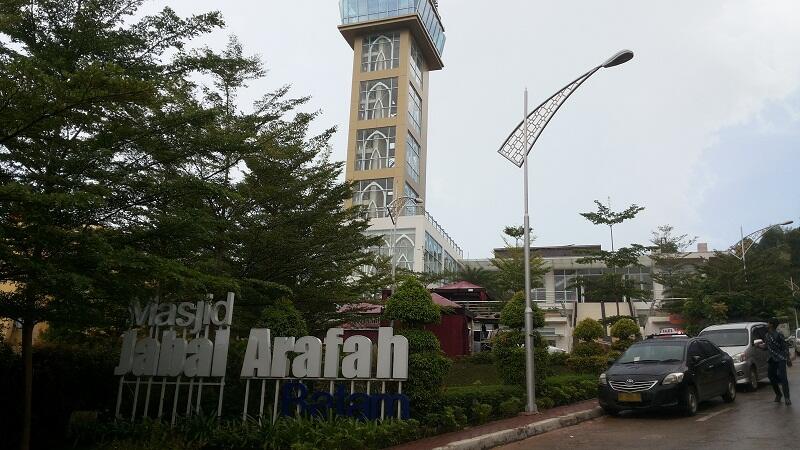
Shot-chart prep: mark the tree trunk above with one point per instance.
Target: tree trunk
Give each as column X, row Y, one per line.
column 27, row 363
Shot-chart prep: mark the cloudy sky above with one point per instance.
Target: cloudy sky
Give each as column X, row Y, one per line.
column 702, row 127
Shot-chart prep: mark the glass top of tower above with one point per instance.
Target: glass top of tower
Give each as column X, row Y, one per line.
column 357, row 11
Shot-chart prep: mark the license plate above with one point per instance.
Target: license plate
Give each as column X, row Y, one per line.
column 629, row 397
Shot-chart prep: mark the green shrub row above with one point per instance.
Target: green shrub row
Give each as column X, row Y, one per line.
column 208, row 434
column 566, row 389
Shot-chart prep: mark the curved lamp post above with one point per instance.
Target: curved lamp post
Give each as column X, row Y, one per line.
column 395, row 209
column 752, row 238
column 516, row 148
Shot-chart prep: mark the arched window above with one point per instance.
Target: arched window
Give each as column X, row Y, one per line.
column 378, row 99
column 374, row 195
column 380, row 52
column 375, row 148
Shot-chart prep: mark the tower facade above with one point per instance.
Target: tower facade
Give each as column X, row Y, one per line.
column 396, row 44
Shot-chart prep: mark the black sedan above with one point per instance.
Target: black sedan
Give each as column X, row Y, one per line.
column 669, row 372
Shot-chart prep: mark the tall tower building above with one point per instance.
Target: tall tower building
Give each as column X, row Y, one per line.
column 396, row 44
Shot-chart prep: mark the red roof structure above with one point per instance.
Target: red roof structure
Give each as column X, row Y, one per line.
column 443, row 302
column 463, row 291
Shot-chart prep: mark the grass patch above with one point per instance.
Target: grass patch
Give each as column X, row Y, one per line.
column 465, row 372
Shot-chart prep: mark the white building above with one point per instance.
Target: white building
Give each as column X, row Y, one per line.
column 565, row 306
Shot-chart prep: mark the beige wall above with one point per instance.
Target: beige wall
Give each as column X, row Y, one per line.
column 400, row 121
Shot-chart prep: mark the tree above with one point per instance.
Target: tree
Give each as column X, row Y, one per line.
column 413, row 307
column 479, row 276
column 626, row 331
column 510, row 264
column 89, row 104
column 605, row 216
column 508, row 345
column 612, row 286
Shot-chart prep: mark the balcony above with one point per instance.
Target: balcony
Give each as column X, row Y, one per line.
column 382, row 12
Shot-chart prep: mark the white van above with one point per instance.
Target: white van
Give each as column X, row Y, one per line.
column 736, row 339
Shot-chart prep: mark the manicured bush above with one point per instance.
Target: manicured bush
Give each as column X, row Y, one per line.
column 464, row 397
column 590, row 348
column 509, row 351
column 426, row 371
column 621, row 345
column 202, row 433
column 588, row 364
column 611, row 320
column 625, row 329
column 482, row 412
column 567, row 389
column 511, row 407
column 412, row 305
column 420, row 340
column 451, row 418
column 558, row 359
column 588, row 330
column 513, row 313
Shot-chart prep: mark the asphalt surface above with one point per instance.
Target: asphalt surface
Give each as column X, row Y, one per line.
column 753, row 421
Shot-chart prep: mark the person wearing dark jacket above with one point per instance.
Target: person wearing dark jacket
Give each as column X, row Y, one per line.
column 779, row 359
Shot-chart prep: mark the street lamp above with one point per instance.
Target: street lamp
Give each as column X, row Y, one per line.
column 752, row 238
column 516, row 148
column 395, row 209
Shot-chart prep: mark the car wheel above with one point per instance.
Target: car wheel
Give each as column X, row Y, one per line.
column 611, row 411
column 753, row 379
column 690, row 401
column 730, row 392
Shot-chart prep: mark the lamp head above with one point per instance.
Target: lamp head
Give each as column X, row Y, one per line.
column 620, row 57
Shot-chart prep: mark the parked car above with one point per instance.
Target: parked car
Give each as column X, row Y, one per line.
column 736, row 339
column 667, row 372
column 795, row 341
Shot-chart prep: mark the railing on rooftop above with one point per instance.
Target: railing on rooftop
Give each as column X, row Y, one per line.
column 356, row 11
column 450, row 240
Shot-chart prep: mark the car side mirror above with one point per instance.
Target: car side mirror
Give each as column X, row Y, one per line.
column 695, row 359
column 758, row 342
column 611, row 361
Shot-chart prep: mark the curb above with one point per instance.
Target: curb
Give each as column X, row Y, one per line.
column 519, row 433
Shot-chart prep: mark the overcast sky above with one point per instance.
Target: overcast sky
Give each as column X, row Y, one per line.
column 702, row 127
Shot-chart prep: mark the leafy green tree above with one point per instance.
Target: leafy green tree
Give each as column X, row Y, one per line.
column 627, row 332
column 606, row 216
column 612, row 286
column 588, row 330
column 487, row 279
column 508, row 345
column 91, row 103
column 283, row 319
column 510, row 264
column 413, row 307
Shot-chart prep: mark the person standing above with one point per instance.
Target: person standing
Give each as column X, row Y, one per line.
column 779, row 359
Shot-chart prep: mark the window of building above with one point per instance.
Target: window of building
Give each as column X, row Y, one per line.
column 375, row 148
column 417, row 64
column 449, row 263
column 564, row 289
column 378, row 99
column 374, row 195
column 432, row 255
column 403, row 249
column 380, row 52
column 412, row 208
column 412, row 158
column 415, row 109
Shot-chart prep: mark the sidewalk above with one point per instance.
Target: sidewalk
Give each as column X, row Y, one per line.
column 491, row 427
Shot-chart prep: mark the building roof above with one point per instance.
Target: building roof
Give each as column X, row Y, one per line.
column 441, row 301
column 459, row 285
column 361, row 308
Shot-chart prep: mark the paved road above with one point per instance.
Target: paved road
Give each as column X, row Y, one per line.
column 753, row 421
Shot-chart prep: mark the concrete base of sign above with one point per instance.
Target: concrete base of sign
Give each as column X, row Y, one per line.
column 517, row 434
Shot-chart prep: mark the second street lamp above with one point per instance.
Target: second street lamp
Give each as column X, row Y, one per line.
column 752, row 238
column 516, row 148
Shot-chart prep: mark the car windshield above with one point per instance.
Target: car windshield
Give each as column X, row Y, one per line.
column 726, row 338
column 652, row 353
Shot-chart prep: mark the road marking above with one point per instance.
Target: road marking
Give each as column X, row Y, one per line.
column 703, row 419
